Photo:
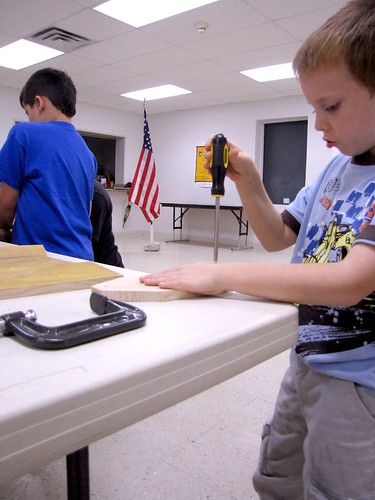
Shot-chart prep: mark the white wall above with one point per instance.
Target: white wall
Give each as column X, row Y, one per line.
column 174, row 138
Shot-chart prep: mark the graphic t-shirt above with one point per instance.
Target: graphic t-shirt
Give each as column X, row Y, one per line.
column 330, row 216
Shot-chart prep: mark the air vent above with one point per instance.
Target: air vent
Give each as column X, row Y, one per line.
column 59, row 39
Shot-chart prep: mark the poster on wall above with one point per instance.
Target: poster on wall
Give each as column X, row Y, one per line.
column 202, row 177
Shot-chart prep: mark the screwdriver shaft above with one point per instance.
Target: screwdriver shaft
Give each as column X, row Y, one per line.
column 216, row 229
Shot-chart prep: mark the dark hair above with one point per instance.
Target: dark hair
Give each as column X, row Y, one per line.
column 54, row 84
column 347, row 37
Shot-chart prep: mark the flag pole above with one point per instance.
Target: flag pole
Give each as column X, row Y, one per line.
column 153, row 246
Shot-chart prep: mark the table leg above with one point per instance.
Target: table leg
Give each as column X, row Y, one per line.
column 177, row 224
column 243, row 230
column 78, row 477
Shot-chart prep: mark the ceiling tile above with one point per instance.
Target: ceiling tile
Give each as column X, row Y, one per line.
column 242, row 34
column 171, row 57
column 101, row 75
column 124, row 46
column 264, row 35
column 280, row 9
column 94, row 25
column 260, row 57
column 222, row 17
column 25, row 17
column 301, row 25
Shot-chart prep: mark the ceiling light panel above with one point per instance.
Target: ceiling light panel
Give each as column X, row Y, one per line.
column 144, row 12
column 270, row 73
column 156, row 93
column 23, row 53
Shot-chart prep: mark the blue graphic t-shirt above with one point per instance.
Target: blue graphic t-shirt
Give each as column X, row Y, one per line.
column 330, row 216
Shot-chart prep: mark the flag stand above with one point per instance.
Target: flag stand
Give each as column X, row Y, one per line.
column 153, row 246
column 144, row 190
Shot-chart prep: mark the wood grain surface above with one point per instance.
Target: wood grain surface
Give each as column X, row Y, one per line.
column 27, row 270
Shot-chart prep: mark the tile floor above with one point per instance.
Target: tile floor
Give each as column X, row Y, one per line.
column 203, row 448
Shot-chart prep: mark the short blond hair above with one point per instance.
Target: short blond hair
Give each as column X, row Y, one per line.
column 347, row 37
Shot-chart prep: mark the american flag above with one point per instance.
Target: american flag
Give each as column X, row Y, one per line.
column 145, row 190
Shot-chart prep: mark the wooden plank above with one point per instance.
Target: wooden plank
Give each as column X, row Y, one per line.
column 27, row 270
column 130, row 289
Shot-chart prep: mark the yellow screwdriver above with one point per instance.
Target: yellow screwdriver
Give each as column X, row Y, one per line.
column 219, row 165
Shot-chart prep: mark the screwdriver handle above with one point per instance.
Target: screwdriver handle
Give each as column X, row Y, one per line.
column 219, row 164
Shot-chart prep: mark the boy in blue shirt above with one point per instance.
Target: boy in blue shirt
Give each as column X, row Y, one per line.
column 320, row 442
column 47, row 171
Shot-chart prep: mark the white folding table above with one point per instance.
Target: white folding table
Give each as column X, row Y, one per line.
column 55, row 402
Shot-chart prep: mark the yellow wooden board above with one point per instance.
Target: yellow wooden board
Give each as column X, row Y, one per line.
column 27, row 270
column 130, row 289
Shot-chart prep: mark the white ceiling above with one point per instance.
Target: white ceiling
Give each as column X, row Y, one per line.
column 242, row 34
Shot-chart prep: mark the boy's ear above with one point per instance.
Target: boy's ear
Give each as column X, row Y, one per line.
column 39, row 102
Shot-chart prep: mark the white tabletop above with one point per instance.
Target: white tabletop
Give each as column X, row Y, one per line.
column 53, row 402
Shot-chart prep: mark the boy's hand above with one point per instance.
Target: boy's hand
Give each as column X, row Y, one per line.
column 241, row 167
column 198, row 278
column 262, row 215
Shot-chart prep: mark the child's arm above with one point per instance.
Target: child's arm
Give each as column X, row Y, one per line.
column 8, row 205
column 342, row 283
column 263, row 217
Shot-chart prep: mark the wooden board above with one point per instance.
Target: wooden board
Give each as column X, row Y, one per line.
column 130, row 289
column 27, row 270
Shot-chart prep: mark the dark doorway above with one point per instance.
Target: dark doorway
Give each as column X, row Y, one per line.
column 284, row 159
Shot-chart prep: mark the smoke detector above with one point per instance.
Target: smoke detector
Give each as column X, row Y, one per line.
column 201, row 26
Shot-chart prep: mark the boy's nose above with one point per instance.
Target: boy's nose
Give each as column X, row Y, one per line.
column 320, row 123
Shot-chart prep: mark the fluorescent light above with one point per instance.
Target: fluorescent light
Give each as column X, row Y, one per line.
column 270, row 73
column 23, row 53
column 156, row 93
column 142, row 12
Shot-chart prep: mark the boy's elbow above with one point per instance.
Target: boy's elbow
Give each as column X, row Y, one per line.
column 273, row 246
column 354, row 277
column 281, row 241
column 348, row 301
column 349, row 298
column 270, row 248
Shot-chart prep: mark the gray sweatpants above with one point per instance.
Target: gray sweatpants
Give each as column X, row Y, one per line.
column 320, row 442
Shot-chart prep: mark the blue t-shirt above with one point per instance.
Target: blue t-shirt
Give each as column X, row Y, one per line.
column 334, row 213
column 53, row 170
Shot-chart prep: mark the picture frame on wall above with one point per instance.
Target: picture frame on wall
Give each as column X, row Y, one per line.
column 202, row 178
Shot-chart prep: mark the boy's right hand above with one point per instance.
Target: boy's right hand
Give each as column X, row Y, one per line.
column 241, row 167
